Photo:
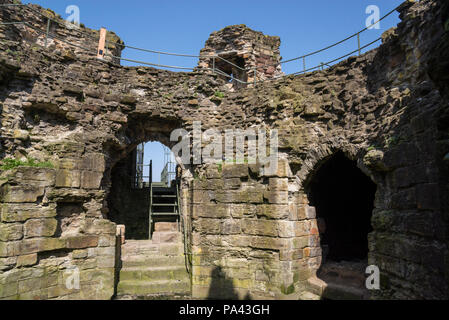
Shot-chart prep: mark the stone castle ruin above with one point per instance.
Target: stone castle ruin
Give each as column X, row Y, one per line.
column 361, row 180
column 243, row 54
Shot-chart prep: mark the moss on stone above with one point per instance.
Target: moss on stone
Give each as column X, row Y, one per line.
column 288, row 290
column 9, row 164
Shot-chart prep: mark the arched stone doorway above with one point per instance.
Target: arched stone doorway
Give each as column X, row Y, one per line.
column 148, row 266
column 344, row 200
column 129, row 196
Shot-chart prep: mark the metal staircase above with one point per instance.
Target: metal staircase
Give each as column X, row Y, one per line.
column 164, row 204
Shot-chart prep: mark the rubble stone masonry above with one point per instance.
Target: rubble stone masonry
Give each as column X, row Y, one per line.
column 249, row 234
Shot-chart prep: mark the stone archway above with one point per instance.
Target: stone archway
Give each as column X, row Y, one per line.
column 344, row 200
column 146, row 266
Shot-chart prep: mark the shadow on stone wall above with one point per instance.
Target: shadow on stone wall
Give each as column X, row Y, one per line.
column 221, row 286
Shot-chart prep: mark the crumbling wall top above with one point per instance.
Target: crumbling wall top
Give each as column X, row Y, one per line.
column 250, row 54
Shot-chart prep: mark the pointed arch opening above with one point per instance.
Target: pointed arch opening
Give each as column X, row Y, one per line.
column 344, row 200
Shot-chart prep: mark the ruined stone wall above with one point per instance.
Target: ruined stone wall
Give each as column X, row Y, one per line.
column 387, row 109
column 256, row 53
column 69, row 42
column 50, row 235
column 253, row 234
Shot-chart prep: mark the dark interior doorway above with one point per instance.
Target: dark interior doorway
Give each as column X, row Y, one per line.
column 344, row 200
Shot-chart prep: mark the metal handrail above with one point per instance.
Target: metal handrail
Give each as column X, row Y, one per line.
column 214, row 69
column 334, row 44
column 334, row 60
column 148, row 63
column 158, row 52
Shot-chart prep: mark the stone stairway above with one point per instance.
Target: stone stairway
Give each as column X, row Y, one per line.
column 154, row 268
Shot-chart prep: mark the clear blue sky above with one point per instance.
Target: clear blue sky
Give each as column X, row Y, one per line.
column 183, row 27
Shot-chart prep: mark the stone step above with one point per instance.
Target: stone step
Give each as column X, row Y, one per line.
column 153, row 261
column 159, row 287
column 161, row 249
column 309, row 296
column 160, row 237
column 338, row 291
column 154, row 273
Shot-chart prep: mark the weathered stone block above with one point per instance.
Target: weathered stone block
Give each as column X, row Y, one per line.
column 232, row 184
column 310, row 212
column 100, row 226
column 106, row 262
column 212, row 171
column 203, row 271
column 167, row 238
column 8, row 249
column 246, row 195
column 209, row 184
column 289, row 229
column 211, row 211
column 105, row 251
column 23, row 212
column 27, row 260
column 300, row 242
column 22, row 193
column 42, row 177
column 165, row 226
column 40, row 228
column 81, row 242
column 294, row 213
column 69, row 164
column 21, row 135
column 276, row 197
column 58, row 291
column 202, row 197
column 91, row 179
column 7, row 263
column 235, row 170
column 207, row 226
column 117, row 117
column 11, row 232
column 288, row 255
column 68, row 179
column 8, row 289
column 269, row 243
column 29, row 246
column 242, row 210
column 278, row 184
column 93, row 162
column 79, row 254
column 280, row 169
column 70, row 195
column 273, row 211
column 260, row 227
column 231, row 226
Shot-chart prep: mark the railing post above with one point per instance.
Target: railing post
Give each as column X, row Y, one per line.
column 358, row 43
column 151, row 171
column 48, row 32
column 322, row 66
column 304, row 63
column 101, row 43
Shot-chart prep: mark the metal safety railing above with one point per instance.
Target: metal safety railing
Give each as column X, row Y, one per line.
column 214, row 58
